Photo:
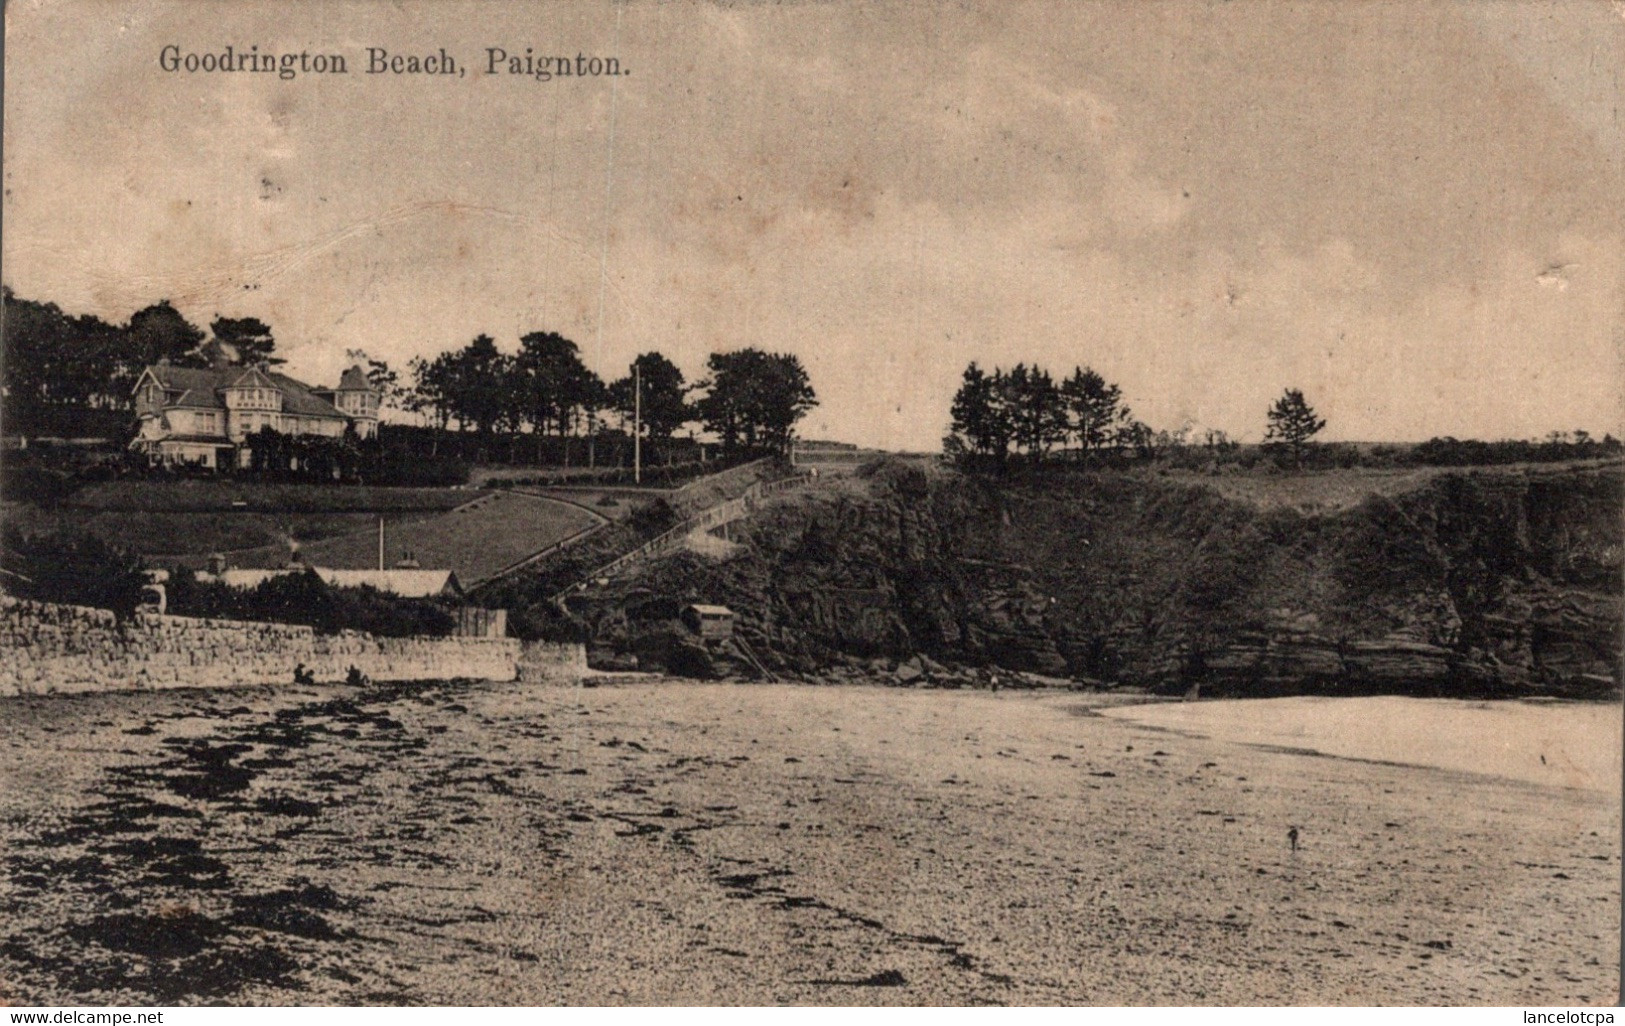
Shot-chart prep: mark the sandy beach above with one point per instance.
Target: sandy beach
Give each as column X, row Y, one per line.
column 683, row 843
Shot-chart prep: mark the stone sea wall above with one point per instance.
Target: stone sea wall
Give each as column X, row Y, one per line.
column 46, row 649
column 542, row 662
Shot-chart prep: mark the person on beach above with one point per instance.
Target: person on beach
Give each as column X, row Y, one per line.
column 1292, row 837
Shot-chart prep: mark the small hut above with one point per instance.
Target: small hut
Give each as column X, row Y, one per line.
column 712, row 623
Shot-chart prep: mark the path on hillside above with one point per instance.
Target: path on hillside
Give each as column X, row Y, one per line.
column 708, row 519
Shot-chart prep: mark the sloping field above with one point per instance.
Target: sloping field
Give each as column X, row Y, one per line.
column 474, row 541
column 228, row 495
column 179, row 523
column 167, row 538
column 1331, row 490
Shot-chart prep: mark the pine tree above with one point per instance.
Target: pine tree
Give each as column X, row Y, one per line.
column 1292, row 422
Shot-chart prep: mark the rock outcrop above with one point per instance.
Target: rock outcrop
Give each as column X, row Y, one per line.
column 1504, row 581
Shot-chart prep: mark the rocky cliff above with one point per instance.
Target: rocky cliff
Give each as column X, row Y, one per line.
column 1503, row 581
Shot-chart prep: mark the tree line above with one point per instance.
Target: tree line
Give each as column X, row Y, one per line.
column 73, row 375
column 67, row 374
column 1024, row 416
column 1025, row 413
column 748, row 398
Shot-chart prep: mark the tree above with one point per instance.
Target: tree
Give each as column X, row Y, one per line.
column 1292, row 422
column 755, row 397
column 270, row 451
column 981, row 423
column 784, row 397
column 555, row 390
column 247, row 340
column 664, row 407
column 479, row 379
column 430, row 395
column 552, row 380
column 57, row 368
column 79, row 570
column 1094, row 407
column 159, row 332
column 1037, row 411
column 1136, row 435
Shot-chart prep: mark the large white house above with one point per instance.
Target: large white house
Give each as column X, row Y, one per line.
column 201, row 415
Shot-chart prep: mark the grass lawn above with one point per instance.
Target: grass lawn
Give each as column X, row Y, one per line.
column 172, row 523
column 227, row 495
column 1331, row 490
column 475, row 541
column 167, row 538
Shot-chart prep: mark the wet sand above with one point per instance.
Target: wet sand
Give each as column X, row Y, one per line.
column 1558, row 744
column 683, row 843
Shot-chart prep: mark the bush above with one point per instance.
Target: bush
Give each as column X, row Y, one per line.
column 35, row 485
column 304, row 598
column 417, row 471
column 79, row 571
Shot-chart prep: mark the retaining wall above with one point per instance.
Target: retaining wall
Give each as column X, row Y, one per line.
column 47, row 649
column 542, row 662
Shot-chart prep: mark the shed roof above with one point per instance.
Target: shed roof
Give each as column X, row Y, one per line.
column 405, row 583
column 705, row 610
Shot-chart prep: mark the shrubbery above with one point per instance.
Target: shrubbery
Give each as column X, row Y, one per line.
column 304, row 598
column 75, row 571
column 86, row 571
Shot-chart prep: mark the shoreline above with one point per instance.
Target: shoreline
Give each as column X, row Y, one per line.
column 767, row 845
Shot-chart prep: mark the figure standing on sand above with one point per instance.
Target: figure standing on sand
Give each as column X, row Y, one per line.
column 1292, row 837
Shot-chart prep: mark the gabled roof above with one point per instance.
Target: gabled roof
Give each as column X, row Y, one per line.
column 246, row 377
column 299, row 398
column 182, row 378
column 200, row 399
column 200, row 387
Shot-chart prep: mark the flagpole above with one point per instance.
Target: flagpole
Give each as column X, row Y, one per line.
column 637, row 423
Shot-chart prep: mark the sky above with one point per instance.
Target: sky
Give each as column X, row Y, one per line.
column 1411, row 211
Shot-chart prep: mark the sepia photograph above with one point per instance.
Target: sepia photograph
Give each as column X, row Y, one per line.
column 812, row 503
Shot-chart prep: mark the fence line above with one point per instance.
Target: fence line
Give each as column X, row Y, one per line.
column 534, row 557
column 673, row 539
column 673, row 495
